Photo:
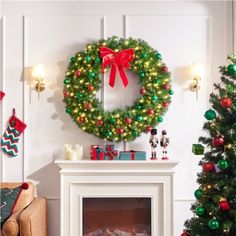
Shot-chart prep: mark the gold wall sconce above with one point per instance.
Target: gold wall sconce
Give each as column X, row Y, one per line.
column 198, row 73
column 39, row 74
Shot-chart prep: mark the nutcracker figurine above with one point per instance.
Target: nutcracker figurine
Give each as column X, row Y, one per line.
column 164, row 143
column 154, row 142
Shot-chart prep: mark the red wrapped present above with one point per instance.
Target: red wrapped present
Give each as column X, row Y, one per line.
column 96, row 152
column 93, row 150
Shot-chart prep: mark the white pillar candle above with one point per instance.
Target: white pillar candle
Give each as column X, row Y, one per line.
column 67, row 148
column 69, row 154
column 73, row 155
column 79, row 150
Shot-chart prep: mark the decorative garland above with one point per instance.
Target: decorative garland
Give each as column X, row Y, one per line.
column 83, row 81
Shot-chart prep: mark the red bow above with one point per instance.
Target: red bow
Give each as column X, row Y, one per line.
column 120, row 60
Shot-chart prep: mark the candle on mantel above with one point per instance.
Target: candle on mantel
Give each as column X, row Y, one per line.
column 67, row 151
column 73, row 153
column 79, row 150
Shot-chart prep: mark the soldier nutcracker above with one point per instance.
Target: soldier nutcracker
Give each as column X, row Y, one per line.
column 164, row 143
column 154, row 142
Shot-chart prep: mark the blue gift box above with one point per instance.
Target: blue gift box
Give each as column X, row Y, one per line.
column 110, row 153
column 132, row 155
column 114, row 157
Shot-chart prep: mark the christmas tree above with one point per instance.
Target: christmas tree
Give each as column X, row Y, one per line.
column 215, row 206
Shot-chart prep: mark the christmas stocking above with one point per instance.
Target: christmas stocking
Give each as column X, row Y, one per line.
column 2, row 94
column 11, row 136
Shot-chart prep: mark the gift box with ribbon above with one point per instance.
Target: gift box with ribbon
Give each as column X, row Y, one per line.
column 198, row 149
column 110, row 153
column 100, row 154
column 96, row 152
column 132, row 155
column 110, row 147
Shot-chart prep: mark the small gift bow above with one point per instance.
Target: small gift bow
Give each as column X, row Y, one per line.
column 120, row 60
column 132, row 154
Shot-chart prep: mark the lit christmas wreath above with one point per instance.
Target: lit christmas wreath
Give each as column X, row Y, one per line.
column 83, row 80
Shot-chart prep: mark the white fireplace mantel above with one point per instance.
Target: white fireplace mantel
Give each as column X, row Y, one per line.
column 87, row 178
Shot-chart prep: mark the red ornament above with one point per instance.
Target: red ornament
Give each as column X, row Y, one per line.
column 128, row 120
column 148, row 129
column 66, row 93
column 100, row 122
column 88, row 106
column 165, row 69
column 90, row 87
column 226, row 102
column 120, row 131
column 25, row 186
column 167, row 86
column 208, row 166
column 78, row 73
column 143, row 91
column 165, row 104
column 184, row 234
column 150, row 112
column 80, row 119
column 224, row 205
column 218, row 141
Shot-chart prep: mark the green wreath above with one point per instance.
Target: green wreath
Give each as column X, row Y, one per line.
column 83, row 80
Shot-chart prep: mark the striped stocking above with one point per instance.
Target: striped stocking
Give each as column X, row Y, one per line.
column 11, row 136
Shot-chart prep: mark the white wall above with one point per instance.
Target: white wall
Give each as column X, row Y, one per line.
column 51, row 32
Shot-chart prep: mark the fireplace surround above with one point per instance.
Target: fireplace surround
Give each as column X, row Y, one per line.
column 86, row 179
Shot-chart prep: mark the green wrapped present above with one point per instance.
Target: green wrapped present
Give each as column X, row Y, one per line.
column 132, row 155
column 198, row 149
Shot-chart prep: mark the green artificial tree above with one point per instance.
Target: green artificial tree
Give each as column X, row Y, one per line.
column 215, row 206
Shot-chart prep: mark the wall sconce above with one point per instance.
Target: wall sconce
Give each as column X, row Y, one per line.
column 39, row 74
column 197, row 72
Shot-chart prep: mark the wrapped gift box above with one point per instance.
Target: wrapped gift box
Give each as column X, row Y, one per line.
column 198, row 149
column 110, row 153
column 96, row 152
column 114, row 155
column 132, row 155
column 93, row 150
column 109, row 147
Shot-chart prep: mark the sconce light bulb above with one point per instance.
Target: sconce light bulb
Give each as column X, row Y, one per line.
column 39, row 74
column 39, row 71
column 197, row 70
column 198, row 73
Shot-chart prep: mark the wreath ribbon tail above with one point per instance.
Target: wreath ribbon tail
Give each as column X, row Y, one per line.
column 123, row 75
column 112, row 75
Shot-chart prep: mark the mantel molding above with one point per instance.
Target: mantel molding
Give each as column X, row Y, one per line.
column 89, row 166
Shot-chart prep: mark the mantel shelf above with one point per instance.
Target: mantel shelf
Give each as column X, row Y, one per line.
column 116, row 166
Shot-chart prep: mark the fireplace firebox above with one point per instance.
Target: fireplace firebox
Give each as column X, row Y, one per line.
column 116, row 216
